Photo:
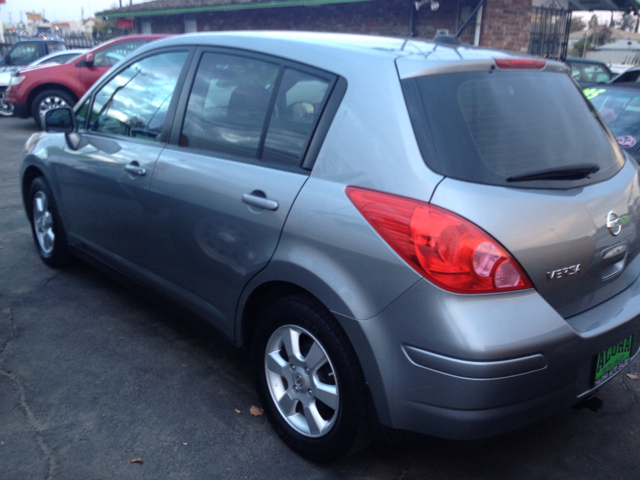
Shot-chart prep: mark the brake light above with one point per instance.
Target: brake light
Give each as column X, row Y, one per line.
column 535, row 63
column 445, row 248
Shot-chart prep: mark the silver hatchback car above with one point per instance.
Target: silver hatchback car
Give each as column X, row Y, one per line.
column 406, row 235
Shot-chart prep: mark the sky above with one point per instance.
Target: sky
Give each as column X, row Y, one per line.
column 56, row 11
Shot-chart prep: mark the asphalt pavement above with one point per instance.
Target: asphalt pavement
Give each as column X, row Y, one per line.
column 94, row 376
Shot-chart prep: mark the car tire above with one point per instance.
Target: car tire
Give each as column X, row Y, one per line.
column 48, row 100
column 46, row 225
column 6, row 109
column 309, row 380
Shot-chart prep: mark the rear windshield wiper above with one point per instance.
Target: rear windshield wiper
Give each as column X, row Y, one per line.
column 570, row 172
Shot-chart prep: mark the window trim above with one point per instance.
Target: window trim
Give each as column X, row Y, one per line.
column 168, row 124
column 305, row 162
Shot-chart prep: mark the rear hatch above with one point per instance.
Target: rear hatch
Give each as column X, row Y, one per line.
column 529, row 160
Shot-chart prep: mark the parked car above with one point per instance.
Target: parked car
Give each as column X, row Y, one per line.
column 57, row 57
column 618, row 68
column 26, row 51
column 34, row 90
column 406, row 235
column 628, row 76
column 619, row 106
column 587, row 72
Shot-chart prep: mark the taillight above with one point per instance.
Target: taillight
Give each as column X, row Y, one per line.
column 534, row 63
column 445, row 248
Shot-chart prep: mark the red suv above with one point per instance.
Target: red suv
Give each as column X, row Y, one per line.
column 33, row 90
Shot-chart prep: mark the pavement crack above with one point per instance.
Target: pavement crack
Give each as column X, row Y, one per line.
column 37, row 427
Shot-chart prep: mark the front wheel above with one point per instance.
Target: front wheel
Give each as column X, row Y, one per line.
column 48, row 100
column 46, row 225
column 309, row 380
column 6, row 109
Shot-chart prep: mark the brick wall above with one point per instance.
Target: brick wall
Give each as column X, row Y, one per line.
column 506, row 25
column 505, row 22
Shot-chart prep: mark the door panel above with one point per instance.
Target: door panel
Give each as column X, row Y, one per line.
column 215, row 224
column 105, row 181
column 104, row 200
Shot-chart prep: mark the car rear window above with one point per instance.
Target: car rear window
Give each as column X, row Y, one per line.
column 55, row 47
column 486, row 127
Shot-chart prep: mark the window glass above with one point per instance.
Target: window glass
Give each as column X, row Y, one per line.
column 62, row 58
column 585, row 72
column 228, row 104
column 81, row 115
column 298, row 105
column 24, row 53
column 620, row 108
column 134, row 103
column 55, row 47
column 109, row 56
column 489, row 127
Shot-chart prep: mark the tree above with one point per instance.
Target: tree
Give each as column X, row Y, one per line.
column 577, row 24
column 596, row 36
column 627, row 23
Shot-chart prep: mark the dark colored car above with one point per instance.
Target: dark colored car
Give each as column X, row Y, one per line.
column 587, row 72
column 619, row 106
column 34, row 90
column 27, row 51
column 629, row 76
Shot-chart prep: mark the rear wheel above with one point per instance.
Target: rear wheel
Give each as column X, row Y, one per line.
column 46, row 225
column 309, row 380
column 48, row 100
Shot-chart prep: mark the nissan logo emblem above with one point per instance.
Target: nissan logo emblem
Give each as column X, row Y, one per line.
column 614, row 224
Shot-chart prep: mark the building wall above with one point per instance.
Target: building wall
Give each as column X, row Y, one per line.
column 506, row 25
column 505, row 22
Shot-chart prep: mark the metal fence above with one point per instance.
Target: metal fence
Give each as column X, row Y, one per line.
column 73, row 40
column 549, row 33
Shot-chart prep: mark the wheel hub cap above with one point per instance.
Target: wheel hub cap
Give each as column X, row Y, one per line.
column 302, row 381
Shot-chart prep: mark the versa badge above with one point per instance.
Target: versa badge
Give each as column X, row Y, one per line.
column 563, row 272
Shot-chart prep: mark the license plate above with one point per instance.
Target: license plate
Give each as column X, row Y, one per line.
column 612, row 360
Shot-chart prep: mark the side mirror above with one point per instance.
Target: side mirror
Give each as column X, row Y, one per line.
column 59, row 120
column 88, row 60
column 63, row 120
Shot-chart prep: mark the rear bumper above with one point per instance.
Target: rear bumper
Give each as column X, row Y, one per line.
column 467, row 368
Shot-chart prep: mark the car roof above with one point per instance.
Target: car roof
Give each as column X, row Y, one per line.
column 127, row 38
column 320, row 48
column 36, row 39
column 584, row 60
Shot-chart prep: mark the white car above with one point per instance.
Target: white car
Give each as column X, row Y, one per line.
column 55, row 57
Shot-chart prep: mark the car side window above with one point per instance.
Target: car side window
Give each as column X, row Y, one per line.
column 55, row 47
column 134, row 103
column 109, row 56
column 298, row 105
column 600, row 75
column 81, row 115
column 228, row 104
column 25, row 53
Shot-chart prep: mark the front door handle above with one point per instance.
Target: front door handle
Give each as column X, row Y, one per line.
column 254, row 199
column 135, row 169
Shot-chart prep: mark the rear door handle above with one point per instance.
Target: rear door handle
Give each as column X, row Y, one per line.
column 259, row 201
column 135, row 169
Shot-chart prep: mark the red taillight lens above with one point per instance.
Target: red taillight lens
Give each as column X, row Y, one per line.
column 447, row 249
column 520, row 63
